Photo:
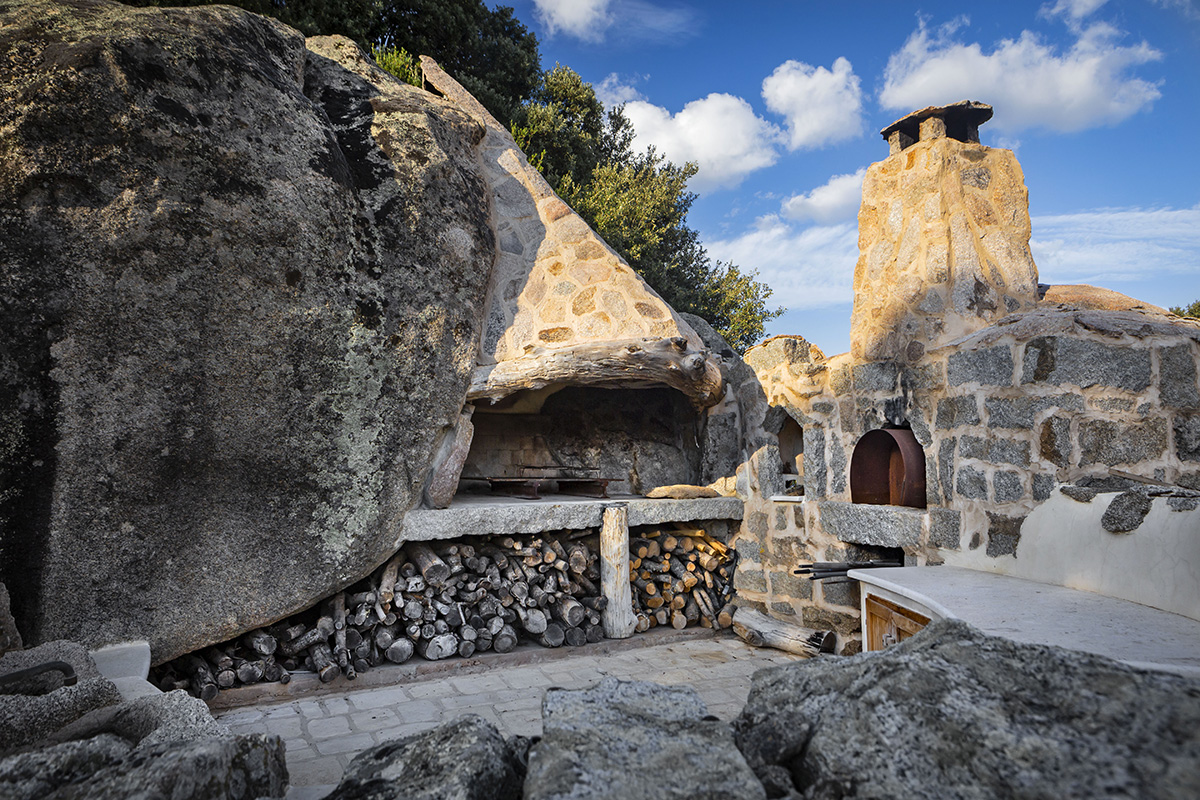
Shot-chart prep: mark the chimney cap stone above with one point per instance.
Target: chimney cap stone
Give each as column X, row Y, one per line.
column 962, row 121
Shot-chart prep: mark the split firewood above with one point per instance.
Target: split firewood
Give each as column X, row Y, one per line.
column 433, row 569
column 260, row 642
column 387, row 580
column 762, row 631
column 323, row 663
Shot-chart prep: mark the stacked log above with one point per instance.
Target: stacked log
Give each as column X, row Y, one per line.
column 433, row 600
column 681, row 577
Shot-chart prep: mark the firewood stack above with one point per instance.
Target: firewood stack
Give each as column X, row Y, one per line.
column 681, row 578
column 434, row 600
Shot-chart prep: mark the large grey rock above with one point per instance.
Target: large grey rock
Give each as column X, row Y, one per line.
column 466, row 759
column 953, row 713
column 242, row 282
column 623, row 739
column 149, row 721
column 46, row 704
column 10, row 637
column 37, row 774
column 228, row 768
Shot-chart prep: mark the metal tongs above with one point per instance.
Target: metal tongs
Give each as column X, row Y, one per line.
column 820, row 570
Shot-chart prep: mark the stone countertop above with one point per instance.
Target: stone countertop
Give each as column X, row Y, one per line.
column 1041, row 613
column 482, row 514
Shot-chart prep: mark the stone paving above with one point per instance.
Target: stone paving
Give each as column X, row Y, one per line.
column 323, row 733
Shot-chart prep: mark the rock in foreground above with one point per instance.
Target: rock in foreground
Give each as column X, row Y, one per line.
column 953, row 713
column 633, row 739
column 466, row 759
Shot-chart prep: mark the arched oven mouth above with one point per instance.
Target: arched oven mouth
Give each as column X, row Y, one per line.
column 888, row 468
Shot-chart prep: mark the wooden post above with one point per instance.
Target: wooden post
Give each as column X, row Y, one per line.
column 618, row 618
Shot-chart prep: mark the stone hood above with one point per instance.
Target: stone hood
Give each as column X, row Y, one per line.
column 563, row 308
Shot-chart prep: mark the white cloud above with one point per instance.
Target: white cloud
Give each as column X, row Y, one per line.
column 720, row 133
column 591, row 20
column 1073, row 9
column 1119, row 245
column 835, row 201
column 613, row 91
column 821, row 106
column 806, row 269
column 1031, row 84
column 583, row 19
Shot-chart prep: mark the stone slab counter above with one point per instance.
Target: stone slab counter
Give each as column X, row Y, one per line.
column 243, row 278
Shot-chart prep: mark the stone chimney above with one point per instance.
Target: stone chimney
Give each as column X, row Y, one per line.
column 943, row 236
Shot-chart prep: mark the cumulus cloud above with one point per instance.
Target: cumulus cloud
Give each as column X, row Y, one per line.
column 720, row 133
column 835, row 201
column 613, row 91
column 821, row 106
column 1120, row 245
column 806, row 268
column 1031, row 83
column 583, row 19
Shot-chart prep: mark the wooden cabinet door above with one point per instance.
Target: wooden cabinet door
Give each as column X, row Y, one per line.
column 888, row 623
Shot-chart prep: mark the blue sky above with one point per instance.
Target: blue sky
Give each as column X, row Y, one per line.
column 780, row 104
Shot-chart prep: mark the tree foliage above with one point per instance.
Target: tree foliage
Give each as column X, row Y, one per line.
column 398, row 62
column 490, row 53
column 1187, row 311
column 638, row 203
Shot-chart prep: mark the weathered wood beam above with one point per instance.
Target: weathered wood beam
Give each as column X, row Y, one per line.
column 627, row 363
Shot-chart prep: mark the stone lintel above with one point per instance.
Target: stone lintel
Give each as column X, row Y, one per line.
column 881, row 526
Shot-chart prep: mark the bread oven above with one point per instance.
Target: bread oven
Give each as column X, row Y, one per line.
column 584, row 440
column 888, row 468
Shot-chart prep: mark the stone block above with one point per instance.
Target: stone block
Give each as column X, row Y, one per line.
column 782, row 610
column 992, row 366
column 1004, row 534
column 1125, row 512
column 785, row 584
column 972, row 484
column 756, row 523
column 1112, row 443
column 1006, row 487
column 1009, row 451
column 945, row 457
column 1009, row 412
column 1187, row 437
column 839, row 381
column 781, row 517
column 840, row 593
column 749, row 580
column 824, row 619
column 837, row 466
column 973, row 447
column 1177, row 377
column 954, row 412
column 883, row 526
column 1117, row 404
column 814, row 463
column 1054, row 441
column 875, row 376
column 930, row 375
column 1084, row 363
column 1043, row 486
column 945, row 528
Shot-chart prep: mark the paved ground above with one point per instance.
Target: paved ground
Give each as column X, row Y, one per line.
column 325, row 730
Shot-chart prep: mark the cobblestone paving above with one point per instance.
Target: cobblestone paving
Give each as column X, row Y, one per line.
column 323, row 734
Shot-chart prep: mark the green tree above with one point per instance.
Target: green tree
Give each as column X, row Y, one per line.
column 1187, row 311
column 490, row 53
column 638, row 203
